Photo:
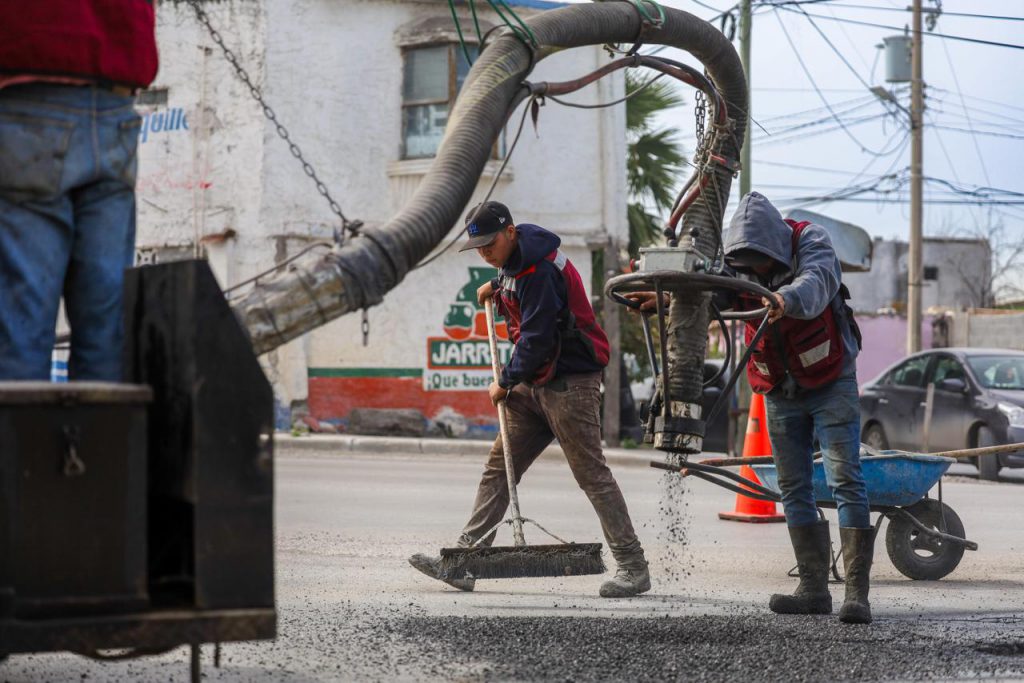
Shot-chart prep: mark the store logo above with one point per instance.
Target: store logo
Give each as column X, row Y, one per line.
column 461, row 360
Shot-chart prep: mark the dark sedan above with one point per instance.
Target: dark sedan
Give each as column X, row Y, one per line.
column 979, row 401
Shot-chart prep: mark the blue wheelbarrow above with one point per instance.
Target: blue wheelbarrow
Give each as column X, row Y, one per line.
column 925, row 538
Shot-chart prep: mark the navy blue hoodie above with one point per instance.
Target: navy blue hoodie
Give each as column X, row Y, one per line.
column 542, row 301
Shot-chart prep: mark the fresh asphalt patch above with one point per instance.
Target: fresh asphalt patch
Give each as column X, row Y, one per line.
column 716, row 648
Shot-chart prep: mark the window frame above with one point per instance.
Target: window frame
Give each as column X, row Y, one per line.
column 454, row 54
column 901, row 368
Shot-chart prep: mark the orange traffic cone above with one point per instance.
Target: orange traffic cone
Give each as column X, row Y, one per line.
column 756, row 443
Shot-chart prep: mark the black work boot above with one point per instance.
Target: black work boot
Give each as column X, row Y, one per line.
column 813, row 551
column 858, row 551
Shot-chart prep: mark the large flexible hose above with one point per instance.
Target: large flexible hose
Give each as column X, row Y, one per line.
column 320, row 287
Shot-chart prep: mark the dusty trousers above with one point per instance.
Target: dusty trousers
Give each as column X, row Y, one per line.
column 568, row 409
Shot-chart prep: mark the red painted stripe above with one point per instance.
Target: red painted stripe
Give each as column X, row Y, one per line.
column 332, row 398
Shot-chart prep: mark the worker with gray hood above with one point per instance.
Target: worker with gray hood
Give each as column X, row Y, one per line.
column 805, row 367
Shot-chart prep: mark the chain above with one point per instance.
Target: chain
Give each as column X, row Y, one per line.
column 366, row 328
column 346, row 224
column 699, row 114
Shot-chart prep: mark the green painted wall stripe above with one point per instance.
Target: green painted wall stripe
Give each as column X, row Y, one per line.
column 366, row 372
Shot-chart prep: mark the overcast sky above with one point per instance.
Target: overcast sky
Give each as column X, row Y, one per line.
column 990, row 80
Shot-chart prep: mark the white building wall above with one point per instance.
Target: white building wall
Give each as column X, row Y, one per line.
column 332, row 71
column 963, row 272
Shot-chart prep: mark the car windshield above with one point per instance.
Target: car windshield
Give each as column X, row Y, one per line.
column 998, row 372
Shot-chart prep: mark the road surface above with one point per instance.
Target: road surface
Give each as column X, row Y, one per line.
column 351, row 608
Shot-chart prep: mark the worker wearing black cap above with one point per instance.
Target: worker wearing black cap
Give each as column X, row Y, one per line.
column 551, row 386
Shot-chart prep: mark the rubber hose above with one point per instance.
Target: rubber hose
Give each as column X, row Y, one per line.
column 318, row 288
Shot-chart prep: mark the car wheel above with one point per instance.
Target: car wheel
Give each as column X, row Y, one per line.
column 874, row 436
column 988, row 465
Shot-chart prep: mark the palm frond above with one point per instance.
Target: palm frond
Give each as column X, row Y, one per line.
column 642, row 107
column 653, row 165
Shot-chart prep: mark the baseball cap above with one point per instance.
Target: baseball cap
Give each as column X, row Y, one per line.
column 484, row 222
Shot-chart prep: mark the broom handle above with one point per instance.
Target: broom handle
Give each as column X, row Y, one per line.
column 510, row 472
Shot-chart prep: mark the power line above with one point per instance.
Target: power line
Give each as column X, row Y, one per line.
column 963, row 112
column 824, row 100
column 809, row 201
column 981, row 99
column 842, row 125
column 947, row 36
column 816, row 122
column 987, row 101
column 800, row 167
column 815, row 110
column 839, row 54
column 945, row 152
column 945, row 13
column 989, row 133
column 970, row 124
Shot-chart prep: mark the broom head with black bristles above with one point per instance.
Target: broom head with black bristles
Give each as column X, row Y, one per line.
column 513, row 562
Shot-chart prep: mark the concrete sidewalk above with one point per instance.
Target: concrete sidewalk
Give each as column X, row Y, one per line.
column 347, row 444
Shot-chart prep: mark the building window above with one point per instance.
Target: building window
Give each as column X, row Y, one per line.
column 433, row 77
column 931, row 272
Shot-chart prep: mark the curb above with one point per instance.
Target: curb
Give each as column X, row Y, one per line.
column 349, row 444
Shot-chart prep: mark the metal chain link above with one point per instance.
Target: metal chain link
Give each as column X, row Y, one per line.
column 699, row 114
column 365, row 328
column 346, row 224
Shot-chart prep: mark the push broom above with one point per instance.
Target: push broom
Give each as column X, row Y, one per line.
column 520, row 560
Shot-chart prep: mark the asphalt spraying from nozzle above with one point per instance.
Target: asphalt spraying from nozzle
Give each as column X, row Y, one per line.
column 674, row 519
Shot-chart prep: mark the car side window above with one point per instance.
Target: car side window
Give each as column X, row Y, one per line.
column 910, row 373
column 947, row 367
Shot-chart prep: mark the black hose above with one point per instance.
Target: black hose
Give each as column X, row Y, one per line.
column 712, row 474
column 728, row 346
column 359, row 273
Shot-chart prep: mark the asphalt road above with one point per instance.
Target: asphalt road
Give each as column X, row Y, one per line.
column 351, row 608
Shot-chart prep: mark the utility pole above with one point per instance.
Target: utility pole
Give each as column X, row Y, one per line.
column 735, row 440
column 745, row 59
column 743, row 392
column 914, row 266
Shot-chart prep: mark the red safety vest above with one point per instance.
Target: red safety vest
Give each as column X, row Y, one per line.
column 811, row 351
column 109, row 41
column 577, row 319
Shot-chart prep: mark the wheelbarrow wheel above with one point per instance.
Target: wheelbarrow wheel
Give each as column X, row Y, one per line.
column 918, row 556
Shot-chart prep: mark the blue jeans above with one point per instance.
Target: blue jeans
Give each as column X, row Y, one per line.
column 832, row 413
column 67, row 226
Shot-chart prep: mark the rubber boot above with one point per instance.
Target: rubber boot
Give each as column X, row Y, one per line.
column 858, row 551
column 631, row 578
column 813, row 551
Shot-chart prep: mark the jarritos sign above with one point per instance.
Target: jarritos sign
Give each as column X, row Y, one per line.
column 461, row 360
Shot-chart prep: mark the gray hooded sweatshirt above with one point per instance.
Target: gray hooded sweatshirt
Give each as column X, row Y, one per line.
column 815, row 270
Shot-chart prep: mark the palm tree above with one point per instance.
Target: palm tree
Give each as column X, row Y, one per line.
column 654, row 160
